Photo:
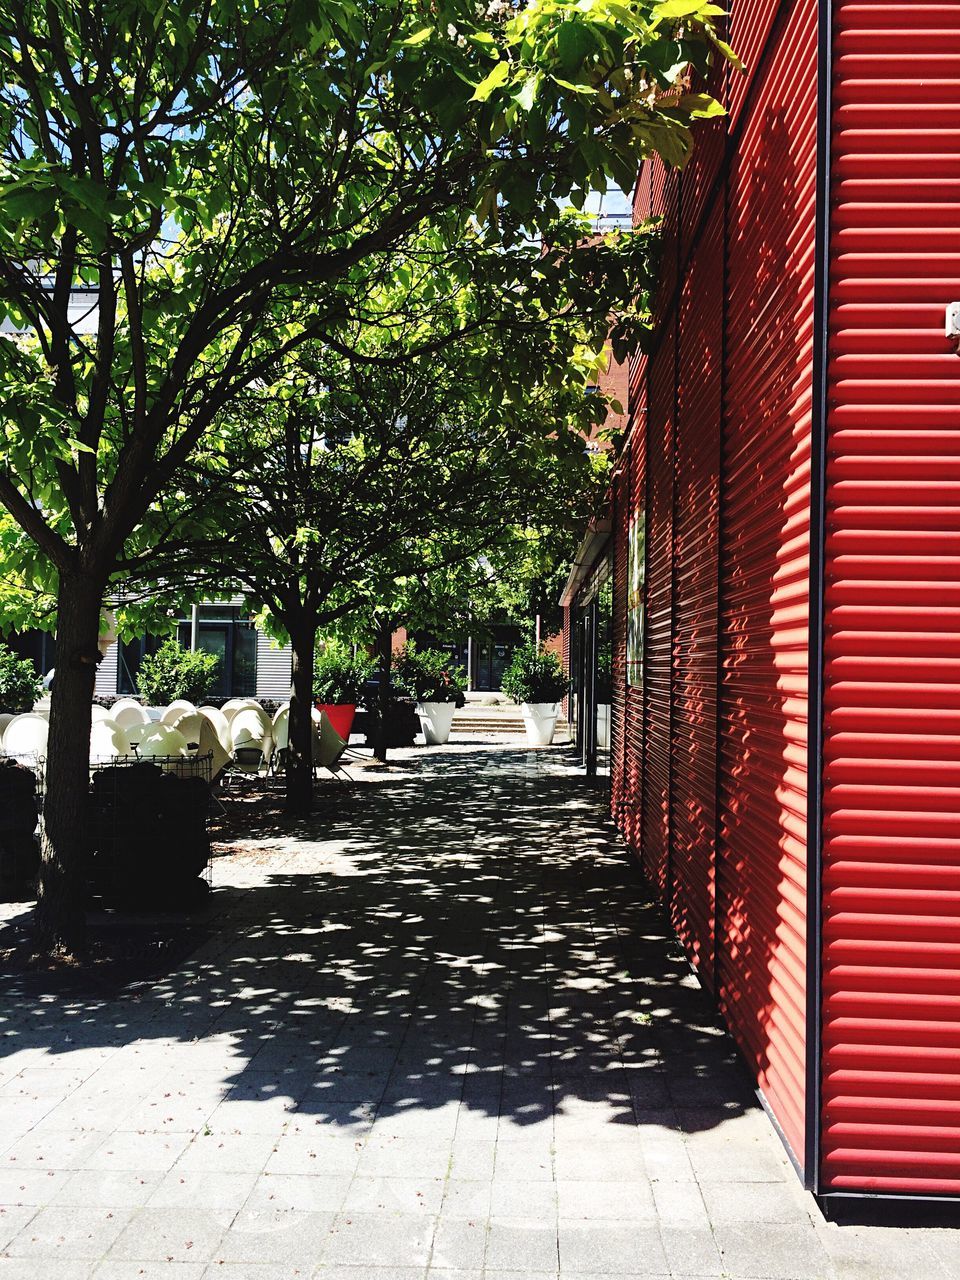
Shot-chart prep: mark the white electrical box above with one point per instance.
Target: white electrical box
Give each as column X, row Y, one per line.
column 953, row 320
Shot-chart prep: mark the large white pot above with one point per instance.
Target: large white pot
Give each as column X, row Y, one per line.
column 540, row 719
column 436, row 721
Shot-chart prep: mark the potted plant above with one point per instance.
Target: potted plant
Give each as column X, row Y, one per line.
column 20, row 686
column 174, row 673
column 536, row 681
column 339, row 681
column 424, row 674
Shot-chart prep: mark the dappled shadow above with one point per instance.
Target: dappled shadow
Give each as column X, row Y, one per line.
column 467, row 944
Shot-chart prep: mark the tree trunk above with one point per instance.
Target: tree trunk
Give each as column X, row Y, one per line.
column 61, row 901
column 300, row 746
column 384, row 649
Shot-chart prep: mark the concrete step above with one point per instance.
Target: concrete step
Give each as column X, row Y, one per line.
column 507, row 720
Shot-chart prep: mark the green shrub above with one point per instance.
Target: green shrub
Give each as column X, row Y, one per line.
column 340, row 678
column 534, row 676
column 425, row 674
column 174, row 672
column 20, row 686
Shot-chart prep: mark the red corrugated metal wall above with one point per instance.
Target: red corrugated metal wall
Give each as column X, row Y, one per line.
column 727, row 521
column 658, row 622
column 761, row 864
column 693, row 817
column 891, row 955
column 620, row 508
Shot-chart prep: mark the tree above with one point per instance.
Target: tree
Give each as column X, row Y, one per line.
column 176, row 178
column 359, row 475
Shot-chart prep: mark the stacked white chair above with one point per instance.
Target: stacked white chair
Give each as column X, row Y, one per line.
column 176, row 709
column 230, row 709
column 189, row 723
column 210, row 745
column 108, row 740
column 251, row 730
column 25, row 737
column 161, row 740
column 122, row 704
column 133, row 720
column 221, row 725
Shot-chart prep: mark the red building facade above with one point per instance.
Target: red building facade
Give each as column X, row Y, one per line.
column 786, row 563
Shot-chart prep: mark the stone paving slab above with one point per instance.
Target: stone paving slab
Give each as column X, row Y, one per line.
column 441, row 1035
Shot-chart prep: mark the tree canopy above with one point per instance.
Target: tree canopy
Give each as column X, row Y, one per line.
column 190, row 191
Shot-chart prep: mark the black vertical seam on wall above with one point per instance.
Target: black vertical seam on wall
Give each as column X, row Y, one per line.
column 722, row 411
column 818, row 463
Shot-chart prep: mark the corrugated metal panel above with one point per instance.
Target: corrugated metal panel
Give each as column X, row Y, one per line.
column 761, row 862
column 696, row 547
column 699, row 180
column 658, row 636
column 891, row 957
column 750, row 23
column 105, row 684
column 665, row 205
column 274, row 672
column 618, row 696
column 631, row 806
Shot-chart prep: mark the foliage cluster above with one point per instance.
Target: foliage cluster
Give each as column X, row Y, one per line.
column 339, row 677
column 534, row 675
column 20, row 686
column 426, row 675
column 174, row 672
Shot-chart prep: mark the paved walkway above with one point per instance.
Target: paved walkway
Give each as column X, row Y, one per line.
column 444, row 1037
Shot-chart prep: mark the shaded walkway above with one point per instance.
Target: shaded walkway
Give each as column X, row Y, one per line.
column 448, row 1037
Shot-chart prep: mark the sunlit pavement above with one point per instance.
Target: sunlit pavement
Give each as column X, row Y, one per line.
column 440, row 1033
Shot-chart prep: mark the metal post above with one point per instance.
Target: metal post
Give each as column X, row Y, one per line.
column 590, row 692
column 194, row 626
column 469, row 664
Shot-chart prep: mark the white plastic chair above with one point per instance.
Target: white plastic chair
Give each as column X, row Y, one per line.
column 172, row 714
column 281, row 736
column 190, row 724
column 122, row 704
column 328, row 746
column 230, row 709
column 220, row 724
column 98, row 713
column 210, row 745
column 252, row 727
column 108, row 741
column 26, row 736
column 161, row 740
column 131, row 715
column 5, row 718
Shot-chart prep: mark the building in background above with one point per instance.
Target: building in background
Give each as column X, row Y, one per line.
column 783, row 553
column 251, row 664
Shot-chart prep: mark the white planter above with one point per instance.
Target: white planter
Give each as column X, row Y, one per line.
column 436, row 721
column 540, row 719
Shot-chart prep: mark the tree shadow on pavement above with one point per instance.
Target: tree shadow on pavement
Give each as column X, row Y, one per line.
column 471, row 940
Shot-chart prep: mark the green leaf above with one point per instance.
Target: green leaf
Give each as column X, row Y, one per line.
column 677, row 8
column 727, row 52
column 575, row 88
column 418, row 37
column 701, row 106
column 573, row 45
column 23, row 202
column 528, row 92
column 491, row 82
